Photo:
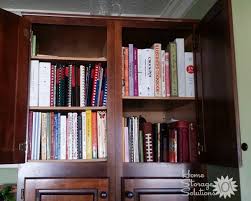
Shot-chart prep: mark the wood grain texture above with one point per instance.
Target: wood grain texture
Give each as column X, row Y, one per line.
column 58, row 58
column 53, row 189
column 14, row 42
column 218, row 81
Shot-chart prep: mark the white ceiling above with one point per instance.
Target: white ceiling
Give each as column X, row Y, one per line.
column 161, row 8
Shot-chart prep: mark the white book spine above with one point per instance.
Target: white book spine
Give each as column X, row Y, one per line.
column 189, row 69
column 84, row 135
column 34, row 73
column 163, row 73
column 126, row 144
column 140, row 72
column 63, row 137
column 75, row 136
column 180, row 66
column 44, row 83
column 136, row 139
column 82, row 85
column 69, row 136
column 38, row 137
column 149, row 68
column 33, row 135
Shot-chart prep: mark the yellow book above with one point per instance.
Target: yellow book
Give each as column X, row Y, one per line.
column 88, row 134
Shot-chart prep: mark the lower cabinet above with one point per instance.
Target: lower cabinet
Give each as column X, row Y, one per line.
column 154, row 190
column 77, row 189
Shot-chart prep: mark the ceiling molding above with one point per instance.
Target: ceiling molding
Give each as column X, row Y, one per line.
column 177, row 8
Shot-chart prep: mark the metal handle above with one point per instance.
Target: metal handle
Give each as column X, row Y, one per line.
column 244, row 146
column 129, row 194
column 103, row 195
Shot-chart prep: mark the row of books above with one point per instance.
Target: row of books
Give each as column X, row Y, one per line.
column 62, row 136
column 159, row 142
column 67, row 85
column 157, row 72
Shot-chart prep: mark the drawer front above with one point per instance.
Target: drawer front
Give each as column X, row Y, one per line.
column 154, row 189
column 66, row 189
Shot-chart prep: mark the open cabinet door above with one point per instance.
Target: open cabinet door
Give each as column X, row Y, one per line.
column 14, row 53
column 217, row 90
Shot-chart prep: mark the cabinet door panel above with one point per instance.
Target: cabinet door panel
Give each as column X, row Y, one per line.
column 66, row 189
column 218, row 80
column 14, row 53
column 154, row 189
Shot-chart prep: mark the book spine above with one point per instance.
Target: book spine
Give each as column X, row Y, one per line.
column 44, row 83
column 189, row 74
column 73, row 86
column 102, row 135
column 77, row 86
column 30, row 128
column 126, row 155
column 79, row 132
column 163, row 142
column 94, row 136
column 163, row 73
column 88, row 134
column 75, row 136
column 62, row 86
column 181, row 67
column 34, row 83
column 48, row 136
column 131, row 142
column 136, row 138
column 173, row 70
column 135, row 72
column 126, row 71
column 105, row 93
column 149, row 69
column 148, row 142
column 100, row 86
column 94, row 86
column 55, row 85
column 70, row 136
column 131, row 70
column 141, row 74
column 52, row 78
column 59, row 136
column 173, row 148
column 83, row 135
column 123, row 70
column 52, row 135
column 34, row 45
column 167, row 75
column 38, row 139
column 157, row 65
column 43, row 136
column 63, row 137
column 82, row 86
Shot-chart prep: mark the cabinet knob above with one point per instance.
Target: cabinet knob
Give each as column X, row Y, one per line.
column 103, row 195
column 129, row 194
column 244, row 146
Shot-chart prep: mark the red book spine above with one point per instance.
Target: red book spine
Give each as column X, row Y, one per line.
column 173, row 155
column 30, row 135
column 94, row 85
column 94, row 136
column 148, row 142
column 52, row 78
column 167, row 76
column 52, row 136
column 193, row 141
column 183, row 140
column 135, row 76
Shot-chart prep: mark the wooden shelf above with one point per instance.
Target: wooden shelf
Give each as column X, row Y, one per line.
column 154, row 169
column 57, row 58
column 66, row 108
column 156, row 98
column 70, row 161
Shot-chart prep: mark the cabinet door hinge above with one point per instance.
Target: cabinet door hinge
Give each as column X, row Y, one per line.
column 22, row 194
column 22, row 147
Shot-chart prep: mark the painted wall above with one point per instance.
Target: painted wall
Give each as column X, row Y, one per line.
column 8, row 175
column 242, row 37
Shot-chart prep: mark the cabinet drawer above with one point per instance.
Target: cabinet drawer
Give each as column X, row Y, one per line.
column 154, row 189
column 78, row 189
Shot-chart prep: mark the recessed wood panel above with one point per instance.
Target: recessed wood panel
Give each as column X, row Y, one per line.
column 66, row 198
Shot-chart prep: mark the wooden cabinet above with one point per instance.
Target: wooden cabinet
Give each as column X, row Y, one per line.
column 66, row 189
column 214, row 108
column 154, row 189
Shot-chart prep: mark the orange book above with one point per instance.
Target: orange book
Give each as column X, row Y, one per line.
column 126, row 73
column 94, row 136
